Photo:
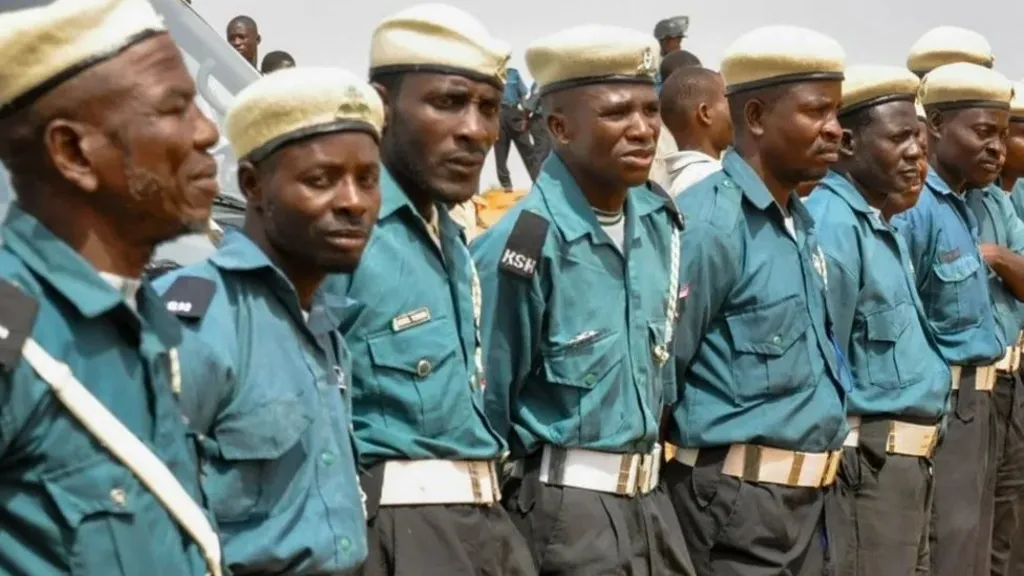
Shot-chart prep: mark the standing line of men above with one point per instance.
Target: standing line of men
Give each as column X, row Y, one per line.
column 351, row 387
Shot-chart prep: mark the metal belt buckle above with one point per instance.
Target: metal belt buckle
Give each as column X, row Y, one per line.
column 628, row 481
column 832, row 468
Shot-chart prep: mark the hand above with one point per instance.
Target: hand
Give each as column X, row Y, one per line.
column 991, row 253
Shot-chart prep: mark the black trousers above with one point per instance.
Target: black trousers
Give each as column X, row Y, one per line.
column 574, row 532
column 737, row 528
column 541, row 139
column 511, row 131
column 435, row 540
column 961, row 477
column 890, row 507
column 1007, row 445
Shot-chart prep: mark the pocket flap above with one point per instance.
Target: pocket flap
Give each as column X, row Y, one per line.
column 263, row 431
column 769, row 329
column 583, row 365
column 887, row 325
column 958, row 270
column 97, row 486
column 415, row 350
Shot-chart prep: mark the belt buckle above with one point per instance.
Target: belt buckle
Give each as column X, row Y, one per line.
column 832, row 468
column 628, row 481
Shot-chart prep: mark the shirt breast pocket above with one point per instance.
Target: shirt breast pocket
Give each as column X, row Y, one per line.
column 98, row 501
column 251, row 463
column 582, row 377
column 770, row 354
column 959, row 307
column 884, row 329
column 420, row 367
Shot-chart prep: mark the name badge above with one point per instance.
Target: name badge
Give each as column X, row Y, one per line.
column 410, row 319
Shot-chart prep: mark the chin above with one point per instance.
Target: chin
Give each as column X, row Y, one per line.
column 456, row 192
column 340, row 263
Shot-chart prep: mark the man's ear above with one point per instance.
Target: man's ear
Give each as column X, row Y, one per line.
column 559, row 128
column 754, row 111
column 75, row 149
column 847, row 144
column 385, row 97
column 249, row 184
column 936, row 123
column 704, row 114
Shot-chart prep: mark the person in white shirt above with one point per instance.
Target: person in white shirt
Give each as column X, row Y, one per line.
column 694, row 110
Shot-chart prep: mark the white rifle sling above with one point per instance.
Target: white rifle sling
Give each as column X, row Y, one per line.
column 120, row 441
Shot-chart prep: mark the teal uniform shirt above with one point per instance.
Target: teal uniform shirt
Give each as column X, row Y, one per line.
column 272, row 414
column 69, row 506
column 755, row 360
column 880, row 322
column 1017, row 198
column 998, row 223
column 941, row 233
column 571, row 323
column 407, row 315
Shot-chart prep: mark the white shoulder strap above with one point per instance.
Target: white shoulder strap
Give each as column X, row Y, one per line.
column 113, row 435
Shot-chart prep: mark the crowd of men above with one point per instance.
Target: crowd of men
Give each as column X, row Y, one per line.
column 800, row 356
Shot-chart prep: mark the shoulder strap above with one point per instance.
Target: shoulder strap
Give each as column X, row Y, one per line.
column 17, row 316
column 524, row 245
column 670, row 203
column 189, row 297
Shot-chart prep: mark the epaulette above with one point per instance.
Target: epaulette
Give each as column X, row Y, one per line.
column 17, row 317
column 189, row 297
column 670, row 203
column 524, row 245
column 158, row 268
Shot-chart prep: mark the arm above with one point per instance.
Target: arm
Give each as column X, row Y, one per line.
column 1008, row 261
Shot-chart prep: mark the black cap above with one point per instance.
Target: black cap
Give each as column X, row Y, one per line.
column 674, row 27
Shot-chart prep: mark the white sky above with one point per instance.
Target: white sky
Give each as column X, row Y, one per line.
column 337, row 32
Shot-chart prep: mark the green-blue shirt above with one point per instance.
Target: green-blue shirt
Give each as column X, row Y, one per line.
column 69, row 506
column 754, row 359
column 272, row 412
column 880, row 323
column 998, row 223
column 942, row 235
column 570, row 349
column 1017, row 198
column 407, row 316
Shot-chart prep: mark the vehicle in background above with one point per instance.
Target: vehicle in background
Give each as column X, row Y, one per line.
column 220, row 73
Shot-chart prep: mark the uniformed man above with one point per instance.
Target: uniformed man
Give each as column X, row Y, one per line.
column 1013, row 172
column 273, row 411
column 108, row 156
column 411, row 311
column 1001, row 233
column 966, row 106
column 514, row 130
column 901, row 380
column 760, row 414
column 580, row 281
column 669, row 33
column 948, row 45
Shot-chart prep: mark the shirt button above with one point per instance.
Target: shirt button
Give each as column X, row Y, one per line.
column 118, row 496
column 327, row 458
column 423, row 368
column 777, row 339
column 346, row 544
column 589, row 379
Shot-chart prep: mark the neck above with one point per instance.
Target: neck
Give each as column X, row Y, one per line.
column 875, row 198
column 1008, row 181
column 305, row 278
column 599, row 192
column 100, row 240
column 780, row 190
column 949, row 175
column 421, row 199
column 693, row 141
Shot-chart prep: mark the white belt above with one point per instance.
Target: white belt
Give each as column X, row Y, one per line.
column 423, row 482
column 1010, row 361
column 773, row 465
column 622, row 474
column 904, row 438
column 984, row 379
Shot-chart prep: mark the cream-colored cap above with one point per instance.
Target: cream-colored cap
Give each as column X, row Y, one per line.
column 775, row 55
column 948, row 45
column 1017, row 104
column 964, row 85
column 45, row 46
column 592, row 54
column 438, row 38
column 870, row 85
column 297, row 103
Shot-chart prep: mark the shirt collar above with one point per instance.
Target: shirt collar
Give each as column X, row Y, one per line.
column 736, row 168
column 936, row 183
column 393, row 200
column 844, row 188
column 64, row 270
column 572, row 213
